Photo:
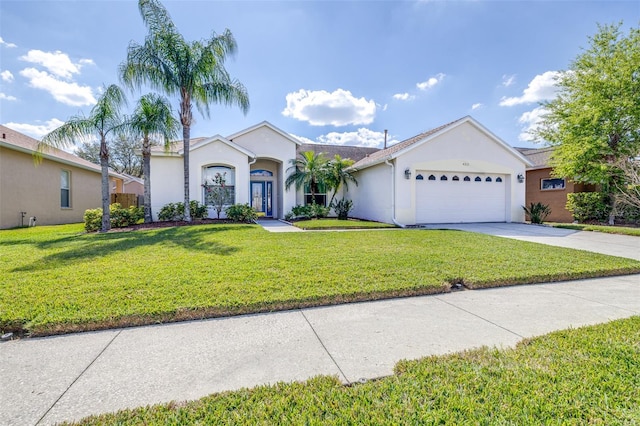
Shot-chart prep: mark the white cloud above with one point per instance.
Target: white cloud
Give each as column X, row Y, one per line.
column 36, row 130
column 58, row 63
column 431, row 82
column 530, row 121
column 476, row 106
column 6, row 76
column 321, row 108
column 362, row 137
column 508, row 80
column 403, row 97
column 541, row 88
column 7, row 97
column 7, row 44
column 62, row 91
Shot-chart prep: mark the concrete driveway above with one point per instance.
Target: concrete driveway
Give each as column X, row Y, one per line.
column 598, row 242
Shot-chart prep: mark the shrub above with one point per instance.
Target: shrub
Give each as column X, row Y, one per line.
column 241, row 213
column 537, row 212
column 585, row 206
column 318, row 211
column 310, row 211
column 342, row 208
column 302, row 211
column 175, row 211
column 119, row 217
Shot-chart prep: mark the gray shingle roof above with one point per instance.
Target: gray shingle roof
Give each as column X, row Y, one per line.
column 355, row 153
column 538, row 156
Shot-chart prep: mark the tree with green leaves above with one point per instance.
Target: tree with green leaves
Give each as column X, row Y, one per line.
column 104, row 119
column 124, row 154
column 194, row 71
column 151, row 121
column 309, row 168
column 339, row 175
column 595, row 120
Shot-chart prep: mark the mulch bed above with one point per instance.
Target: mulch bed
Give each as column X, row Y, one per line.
column 171, row 223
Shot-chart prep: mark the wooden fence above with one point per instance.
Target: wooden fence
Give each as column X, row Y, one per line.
column 126, row 200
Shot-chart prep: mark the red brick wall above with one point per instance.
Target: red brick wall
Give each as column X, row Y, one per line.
column 556, row 199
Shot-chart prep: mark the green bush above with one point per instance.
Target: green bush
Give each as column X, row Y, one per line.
column 319, row 211
column 342, row 208
column 241, row 213
column 175, row 211
column 585, row 206
column 119, row 217
column 537, row 212
column 302, row 211
column 310, row 211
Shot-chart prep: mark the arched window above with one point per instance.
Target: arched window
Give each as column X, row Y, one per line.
column 419, row 177
column 219, row 183
column 467, row 179
column 261, row 172
column 432, row 177
column 498, row 179
column 456, row 178
column 478, row 179
column 444, row 177
column 488, row 179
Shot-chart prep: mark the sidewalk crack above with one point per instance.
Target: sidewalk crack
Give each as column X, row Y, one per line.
column 325, row 348
column 77, row 378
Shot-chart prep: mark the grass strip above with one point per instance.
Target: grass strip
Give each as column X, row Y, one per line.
column 582, row 376
column 59, row 279
column 621, row 230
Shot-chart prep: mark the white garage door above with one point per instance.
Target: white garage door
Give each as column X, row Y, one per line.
column 445, row 197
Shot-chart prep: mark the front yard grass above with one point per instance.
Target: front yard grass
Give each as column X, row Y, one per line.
column 586, row 376
column 319, row 224
column 59, row 279
column 622, row 230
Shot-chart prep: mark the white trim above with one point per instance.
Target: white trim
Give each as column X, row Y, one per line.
column 218, row 138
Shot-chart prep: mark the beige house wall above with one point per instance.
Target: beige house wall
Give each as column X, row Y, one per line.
column 35, row 189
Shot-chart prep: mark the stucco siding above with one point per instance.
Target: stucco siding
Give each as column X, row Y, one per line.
column 167, row 182
column 35, row 189
column 372, row 197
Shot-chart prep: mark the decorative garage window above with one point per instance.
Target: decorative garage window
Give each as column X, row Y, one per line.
column 550, row 184
column 498, row 179
column 219, row 183
column 432, row 177
column 478, row 179
column 65, row 189
column 444, row 177
column 467, row 179
column 488, row 179
column 456, row 178
column 419, row 177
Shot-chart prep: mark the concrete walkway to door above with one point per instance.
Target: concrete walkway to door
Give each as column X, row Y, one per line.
column 598, row 242
column 275, row 225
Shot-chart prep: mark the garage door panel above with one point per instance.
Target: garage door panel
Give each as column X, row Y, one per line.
column 449, row 201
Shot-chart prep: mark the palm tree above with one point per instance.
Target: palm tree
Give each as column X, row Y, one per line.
column 152, row 119
column 105, row 118
column 192, row 70
column 339, row 175
column 310, row 168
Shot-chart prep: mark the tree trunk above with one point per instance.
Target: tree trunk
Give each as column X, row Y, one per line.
column 146, row 171
column 104, row 167
column 186, row 132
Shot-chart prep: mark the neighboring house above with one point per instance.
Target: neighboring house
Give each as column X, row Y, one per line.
column 542, row 188
column 132, row 185
column 459, row 172
column 57, row 190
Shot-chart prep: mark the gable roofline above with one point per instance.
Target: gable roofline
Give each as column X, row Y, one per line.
column 269, row 126
column 219, row 138
column 407, row 145
column 28, row 145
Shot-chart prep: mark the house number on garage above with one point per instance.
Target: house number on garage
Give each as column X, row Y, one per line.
column 465, row 164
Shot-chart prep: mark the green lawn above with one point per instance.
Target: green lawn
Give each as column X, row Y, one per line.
column 623, row 230
column 319, row 224
column 575, row 377
column 59, row 279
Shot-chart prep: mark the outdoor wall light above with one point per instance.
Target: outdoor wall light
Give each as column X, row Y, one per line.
column 407, row 173
column 520, row 177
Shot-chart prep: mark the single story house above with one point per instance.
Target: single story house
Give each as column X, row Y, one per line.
column 542, row 188
column 56, row 191
column 459, row 172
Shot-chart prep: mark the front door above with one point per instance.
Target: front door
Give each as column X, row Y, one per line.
column 261, row 195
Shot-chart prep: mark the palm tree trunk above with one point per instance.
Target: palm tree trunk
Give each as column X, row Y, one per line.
column 104, row 168
column 186, row 135
column 146, row 171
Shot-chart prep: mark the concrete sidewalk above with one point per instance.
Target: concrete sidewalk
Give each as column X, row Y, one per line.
column 53, row 379
column 275, row 225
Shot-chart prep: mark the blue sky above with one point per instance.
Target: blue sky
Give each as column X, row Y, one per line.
column 327, row 71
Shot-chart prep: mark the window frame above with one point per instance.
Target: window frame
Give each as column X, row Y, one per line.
column 553, row 188
column 67, row 189
column 230, row 171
